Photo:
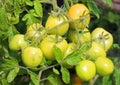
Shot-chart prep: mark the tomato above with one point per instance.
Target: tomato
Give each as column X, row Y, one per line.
column 104, row 66
column 95, row 51
column 57, row 24
column 35, row 31
column 80, row 36
column 17, row 42
column 32, row 56
column 103, row 37
column 76, row 80
column 85, row 70
column 80, row 14
column 49, row 41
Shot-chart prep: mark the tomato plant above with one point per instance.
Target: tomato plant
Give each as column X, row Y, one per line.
column 44, row 42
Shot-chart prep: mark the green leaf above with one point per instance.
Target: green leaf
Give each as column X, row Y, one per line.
column 117, row 76
column 29, row 2
column 56, row 71
column 73, row 58
column 12, row 74
column 106, row 80
column 57, row 53
column 108, row 2
column 65, row 74
column 30, row 19
column 34, row 77
column 3, row 19
column 38, row 8
column 53, row 79
column 9, row 63
column 93, row 8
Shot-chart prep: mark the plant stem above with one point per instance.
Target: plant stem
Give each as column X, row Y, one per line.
column 55, row 6
column 92, row 81
column 67, row 4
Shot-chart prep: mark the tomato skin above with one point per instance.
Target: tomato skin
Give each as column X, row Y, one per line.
column 83, row 36
column 32, row 56
column 17, row 42
column 103, row 37
column 54, row 24
column 76, row 80
column 104, row 66
column 81, row 15
column 85, row 70
column 95, row 51
column 48, row 43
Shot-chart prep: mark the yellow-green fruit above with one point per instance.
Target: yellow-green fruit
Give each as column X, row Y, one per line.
column 49, row 42
column 104, row 66
column 95, row 51
column 57, row 24
column 32, row 56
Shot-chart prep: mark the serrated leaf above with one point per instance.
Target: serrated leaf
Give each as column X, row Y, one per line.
column 57, row 53
column 56, row 71
column 108, row 2
column 12, row 74
column 34, row 77
column 9, row 63
column 93, row 8
column 3, row 19
column 38, row 8
column 65, row 75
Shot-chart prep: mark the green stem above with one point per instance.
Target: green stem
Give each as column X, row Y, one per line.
column 55, row 6
column 67, row 4
column 92, row 81
column 45, row 1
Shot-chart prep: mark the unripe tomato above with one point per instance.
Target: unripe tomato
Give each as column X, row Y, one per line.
column 95, row 51
column 32, row 56
column 48, row 43
column 104, row 66
column 35, row 31
column 57, row 24
column 103, row 37
column 85, row 70
column 80, row 14
column 17, row 42
column 82, row 36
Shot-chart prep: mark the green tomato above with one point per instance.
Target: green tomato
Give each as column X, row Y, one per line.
column 32, row 56
column 95, row 51
column 103, row 37
column 17, row 42
column 81, row 36
column 85, row 70
column 49, row 42
column 104, row 66
column 57, row 24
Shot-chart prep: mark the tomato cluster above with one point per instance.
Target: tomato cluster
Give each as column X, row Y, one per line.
column 69, row 33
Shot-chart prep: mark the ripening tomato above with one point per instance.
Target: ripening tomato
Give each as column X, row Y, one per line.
column 103, row 37
column 17, row 42
column 32, row 56
column 35, row 31
column 57, row 24
column 48, row 43
column 104, row 66
column 79, row 36
column 95, row 51
column 76, row 80
column 80, row 14
column 85, row 70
